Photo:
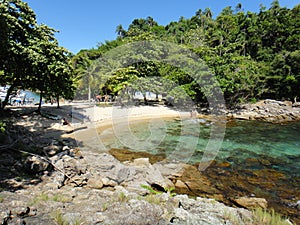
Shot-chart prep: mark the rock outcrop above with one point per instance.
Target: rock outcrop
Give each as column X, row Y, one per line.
column 267, row 110
column 251, row 202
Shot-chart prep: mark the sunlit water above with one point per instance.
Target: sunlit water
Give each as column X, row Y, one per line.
column 255, row 158
column 242, row 140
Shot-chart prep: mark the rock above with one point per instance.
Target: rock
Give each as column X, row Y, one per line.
column 51, row 150
column 126, row 155
column 252, row 203
column 125, row 174
column 197, row 183
column 58, row 176
column 137, row 187
column 108, row 182
column 141, row 162
column 78, row 181
column 95, row 183
column 296, row 104
column 135, row 212
column 65, row 148
column 36, row 164
column 24, row 212
column 298, row 205
column 153, row 176
column 267, row 110
column 69, row 169
column 224, row 164
column 180, row 185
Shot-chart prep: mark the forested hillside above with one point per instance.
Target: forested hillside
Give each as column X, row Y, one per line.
column 254, row 55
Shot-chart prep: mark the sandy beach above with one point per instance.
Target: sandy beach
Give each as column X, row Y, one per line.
column 98, row 115
column 98, row 119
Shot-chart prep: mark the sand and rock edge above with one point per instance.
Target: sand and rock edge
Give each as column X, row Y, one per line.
column 75, row 188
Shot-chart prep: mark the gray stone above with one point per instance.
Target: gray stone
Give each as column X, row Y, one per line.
column 144, row 162
column 296, row 105
column 95, row 183
column 51, row 150
column 108, row 182
column 65, row 148
column 37, row 164
column 298, row 205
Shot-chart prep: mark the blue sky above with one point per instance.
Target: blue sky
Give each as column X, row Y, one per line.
column 84, row 24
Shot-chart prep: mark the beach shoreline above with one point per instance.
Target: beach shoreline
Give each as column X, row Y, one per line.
column 48, row 133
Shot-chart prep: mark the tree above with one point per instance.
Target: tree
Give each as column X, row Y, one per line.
column 120, row 31
column 17, row 24
column 31, row 57
column 253, row 55
column 207, row 12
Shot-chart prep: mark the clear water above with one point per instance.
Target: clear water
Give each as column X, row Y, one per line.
column 32, row 95
column 254, row 159
column 187, row 140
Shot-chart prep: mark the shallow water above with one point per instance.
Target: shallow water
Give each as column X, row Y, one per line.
column 254, row 159
column 242, row 140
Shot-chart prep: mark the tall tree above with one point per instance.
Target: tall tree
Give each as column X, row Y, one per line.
column 120, row 31
column 17, row 24
column 31, row 56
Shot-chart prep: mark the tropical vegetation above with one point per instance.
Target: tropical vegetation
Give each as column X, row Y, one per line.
column 30, row 57
column 253, row 55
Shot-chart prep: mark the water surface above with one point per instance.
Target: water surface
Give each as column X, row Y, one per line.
column 255, row 158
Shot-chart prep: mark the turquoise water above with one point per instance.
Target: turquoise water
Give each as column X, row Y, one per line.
column 32, row 95
column 187, row 140
column 254, row 159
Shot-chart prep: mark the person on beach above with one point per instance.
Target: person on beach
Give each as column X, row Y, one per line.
column 66, row 122
column 194, row 113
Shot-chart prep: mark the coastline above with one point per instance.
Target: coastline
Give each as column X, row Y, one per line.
column 109, row 178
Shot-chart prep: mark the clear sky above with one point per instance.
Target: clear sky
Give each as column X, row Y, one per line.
column 84, row 24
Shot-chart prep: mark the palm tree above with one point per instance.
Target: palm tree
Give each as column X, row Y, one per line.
column 120, row 31
column 150, row 21
column 199, row 13
column 207, row 12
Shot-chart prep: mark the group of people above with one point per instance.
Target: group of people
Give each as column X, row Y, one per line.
column 104, row 98
column 19, row 98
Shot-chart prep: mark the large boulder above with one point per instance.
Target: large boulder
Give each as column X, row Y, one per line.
column 251, row 203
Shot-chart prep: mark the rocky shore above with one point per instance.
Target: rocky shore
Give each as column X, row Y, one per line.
column 48, row 177
column 267, row 110
column 83, row 191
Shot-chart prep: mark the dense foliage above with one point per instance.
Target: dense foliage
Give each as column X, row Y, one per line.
column 30, row 57
column 253, row 55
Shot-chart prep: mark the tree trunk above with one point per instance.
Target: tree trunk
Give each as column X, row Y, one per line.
column 40, row 103
column 9, row 91
column 57, row 100
column 145, row 99
column 89, row 93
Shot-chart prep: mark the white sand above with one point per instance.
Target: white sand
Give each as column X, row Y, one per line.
column 102, row 115
column 99, row 119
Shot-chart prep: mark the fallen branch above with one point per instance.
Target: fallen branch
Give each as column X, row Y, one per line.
column 8, row 146
column 48, row 161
